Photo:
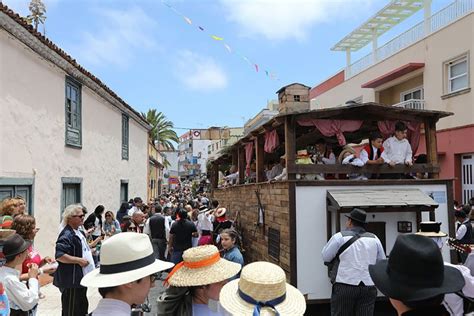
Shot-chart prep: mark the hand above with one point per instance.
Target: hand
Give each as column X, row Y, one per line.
column 409, row 163
column 380, row 160
column 82, row 262
column 49, row 270
column 33, row 271
column 113, row 229
column 48, row 260
column 392, row 164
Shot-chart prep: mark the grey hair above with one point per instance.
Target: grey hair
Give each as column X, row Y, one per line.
column 69, row 211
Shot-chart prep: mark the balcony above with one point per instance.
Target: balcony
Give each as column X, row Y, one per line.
column 413, row 104
column 437, row 21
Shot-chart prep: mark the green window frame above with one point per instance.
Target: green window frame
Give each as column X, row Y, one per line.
column 73, row 113
column 125, row 137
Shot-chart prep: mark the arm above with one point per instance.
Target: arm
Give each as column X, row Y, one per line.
column 26, row 298
column 281, row 176
column 380, row 251
column 331, row 160
column 170, row 242
column 409, row 154
column 364, row 156
column 68, row 259
column 195, row 232
column 330, row 250
column 117, row 227
column 386, row 146
column 357, row 162
column 461, row 232
column 146, row 228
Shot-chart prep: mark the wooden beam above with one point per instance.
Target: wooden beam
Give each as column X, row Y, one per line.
column 215, row 175
column 241, row 165
column 431, row 146
column 235, row 157
column 290, row 145
column 259, row 158
column 343, row 169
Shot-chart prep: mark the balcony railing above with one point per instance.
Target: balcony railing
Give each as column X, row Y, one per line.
column 437, row 21
column 414, row 104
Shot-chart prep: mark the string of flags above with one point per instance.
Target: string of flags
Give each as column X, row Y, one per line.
column 220, row 39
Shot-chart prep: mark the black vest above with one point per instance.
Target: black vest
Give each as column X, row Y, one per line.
column 157, row 226
column 467, row 239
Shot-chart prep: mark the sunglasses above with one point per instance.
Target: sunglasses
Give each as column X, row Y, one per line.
column 81, row 216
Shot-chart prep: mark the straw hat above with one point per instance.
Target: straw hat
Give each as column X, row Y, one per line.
column 431, row 229
column 124, row 258
column 201, row 266
column 5, row 233
column 262, row 282
column 345, row 150
column 203, row 209
column 220, row 211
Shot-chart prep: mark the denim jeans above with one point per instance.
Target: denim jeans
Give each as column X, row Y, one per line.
column 177, row 256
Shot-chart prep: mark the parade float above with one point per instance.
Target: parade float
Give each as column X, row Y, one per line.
column 289, row 222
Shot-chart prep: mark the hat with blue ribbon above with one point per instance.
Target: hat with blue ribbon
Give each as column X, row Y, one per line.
column 262, row 291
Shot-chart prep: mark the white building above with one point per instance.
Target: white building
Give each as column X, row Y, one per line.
column 65, row 136
column 262, row 117
column 171, row 176
column 193, row 153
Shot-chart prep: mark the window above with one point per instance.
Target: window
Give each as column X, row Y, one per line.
column 125, row 137
column 458, row 74
column 296, row 98
column 73, row 113
column 413, row 94
column 13, row 187
column 71, row 192
column 123, row 190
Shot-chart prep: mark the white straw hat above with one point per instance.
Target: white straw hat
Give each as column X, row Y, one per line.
column 261, row 285
column 431, row 229
column 124, row 258
column 201, row 266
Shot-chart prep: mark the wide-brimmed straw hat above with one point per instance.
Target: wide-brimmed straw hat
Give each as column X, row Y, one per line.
column 203, row 209
column 5, row 233
column 421, row 277
column 201, row 266
column 262, row 288
column 347, row 149
column 431, row 229
column 124, row 258
column 220, row 212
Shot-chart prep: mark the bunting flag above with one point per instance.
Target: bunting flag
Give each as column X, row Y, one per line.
column 268, row 73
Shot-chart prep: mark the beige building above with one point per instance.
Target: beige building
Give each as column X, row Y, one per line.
column 65, row 137
column 234, row 134
column 155, row 171
column 429, row 66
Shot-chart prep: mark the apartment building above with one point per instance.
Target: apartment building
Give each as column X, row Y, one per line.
column 193, row 153
column 429, row 66
column 265, row 115
column 231, row 135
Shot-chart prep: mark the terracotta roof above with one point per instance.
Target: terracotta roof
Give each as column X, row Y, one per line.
column 21, row 21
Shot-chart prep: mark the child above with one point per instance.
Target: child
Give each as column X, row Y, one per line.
column 371, row 154
column 229, row 241
column 397, row 149
column 348, row 157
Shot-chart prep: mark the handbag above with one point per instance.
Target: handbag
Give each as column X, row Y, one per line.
column 333, row 265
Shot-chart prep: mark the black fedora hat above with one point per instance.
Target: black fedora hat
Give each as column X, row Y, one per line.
column 358, row 215
column 15, row 245
column 422, row 276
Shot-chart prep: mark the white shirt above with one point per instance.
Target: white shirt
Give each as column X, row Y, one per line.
column 282, row 176
column 397, row 151
column 355, row 260
column 355, row 161
column 275, row 171
column 462, row 230
column 98, row 230
column 19, row 295
column 108, row 307
column 364, row 155
column 205, row 222
column 133, row 210
column 453, row 303
column 86, row 253
column 147, row 230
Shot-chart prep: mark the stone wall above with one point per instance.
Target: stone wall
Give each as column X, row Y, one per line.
column 274, row 197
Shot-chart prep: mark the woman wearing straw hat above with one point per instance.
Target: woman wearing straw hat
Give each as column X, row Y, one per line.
column 262, row 290
column 196, row 282
column 126, row 273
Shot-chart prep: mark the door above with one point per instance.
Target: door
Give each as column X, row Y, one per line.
column 467, row 177
column 378, row 229
column 9, row 191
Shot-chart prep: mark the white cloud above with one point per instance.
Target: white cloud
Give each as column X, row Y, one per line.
column 118, row 34
column 288, row 19
column 201, row 73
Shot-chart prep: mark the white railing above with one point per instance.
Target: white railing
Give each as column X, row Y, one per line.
column 414, row 104
column 437, row 21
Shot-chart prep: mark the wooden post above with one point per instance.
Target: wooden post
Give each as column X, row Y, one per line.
column 259, row 158
column 431, row 145
column 215, row 175
column 235, row 157
column 290, row 146
column 241, row 165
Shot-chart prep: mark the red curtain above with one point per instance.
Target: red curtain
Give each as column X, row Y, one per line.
column 330, row 128
column 271, row 141
column 248, row 157
column 387, row 128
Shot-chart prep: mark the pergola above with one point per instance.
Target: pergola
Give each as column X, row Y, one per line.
column 294, row 136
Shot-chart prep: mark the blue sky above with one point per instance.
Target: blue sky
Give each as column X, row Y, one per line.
column 152, row 58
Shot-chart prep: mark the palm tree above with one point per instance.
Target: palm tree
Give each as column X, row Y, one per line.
column 162, row 131
column 37, row 16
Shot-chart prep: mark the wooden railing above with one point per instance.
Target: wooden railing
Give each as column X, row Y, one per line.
column 381, row 169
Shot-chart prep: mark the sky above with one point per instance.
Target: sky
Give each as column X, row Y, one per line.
column 149, row 54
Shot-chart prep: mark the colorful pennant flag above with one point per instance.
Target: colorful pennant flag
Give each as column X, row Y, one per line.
column 201, row 28
column 256, row 67
column 228, row 48
column 188, row 20
column 217, row 38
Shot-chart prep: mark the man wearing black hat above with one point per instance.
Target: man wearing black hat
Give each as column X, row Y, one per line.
column 464, row 231
column 353, row 291
column 415, row 277
column 22, row 297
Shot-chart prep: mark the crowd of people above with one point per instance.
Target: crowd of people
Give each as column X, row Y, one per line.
column 395, row 150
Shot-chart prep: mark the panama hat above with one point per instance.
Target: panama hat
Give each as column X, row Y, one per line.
column 124, row 258
column 201, row 266
column 358, row 215
column 14, row 245
column 347, row 149
column 221, row 211
column 262, row 290
column 203, row 209
column 5, row 233
column 421, row 277
column 431, row 229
